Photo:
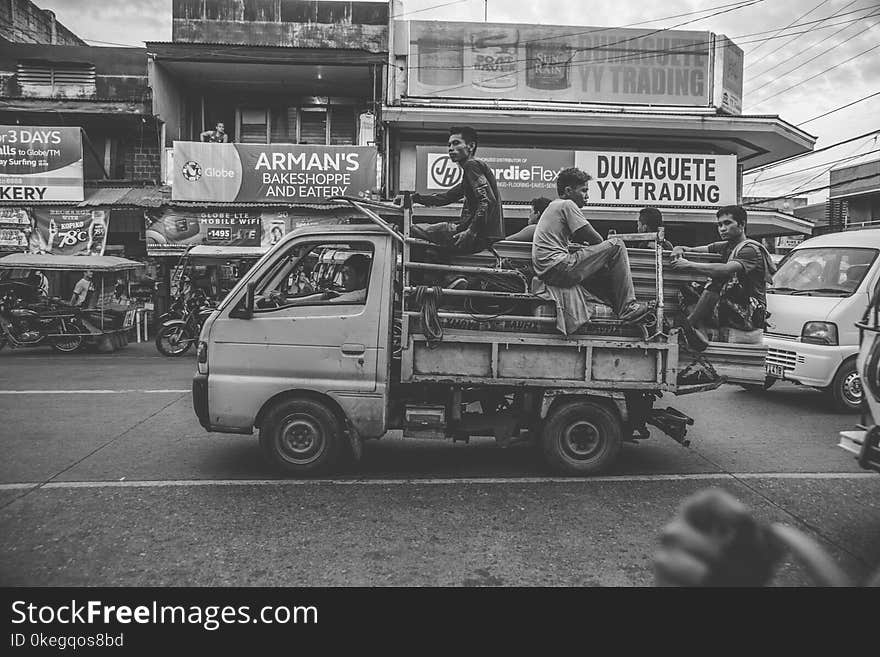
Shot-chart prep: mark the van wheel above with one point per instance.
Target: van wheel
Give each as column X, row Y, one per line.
column 581, row 438
column 846, row 388
column 301, row 437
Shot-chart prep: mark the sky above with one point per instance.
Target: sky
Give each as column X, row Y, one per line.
column 802, row 57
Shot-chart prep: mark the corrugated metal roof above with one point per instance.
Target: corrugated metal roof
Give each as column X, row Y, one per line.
column 145, row 197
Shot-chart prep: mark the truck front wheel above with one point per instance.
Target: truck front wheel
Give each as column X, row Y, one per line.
column 581, row 438
column 846, row 388
column 301, row 436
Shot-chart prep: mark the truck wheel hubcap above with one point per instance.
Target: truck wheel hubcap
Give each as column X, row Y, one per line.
column 581, row 440
column 852, row 389
column 301, row 439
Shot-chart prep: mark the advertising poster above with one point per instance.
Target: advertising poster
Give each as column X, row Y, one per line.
column 171, row 231
column 559, row 63
column 69, row 231
column 279, row 173
column 521, row 173
column 40, row 164
column 16, row 226
column 661, row 179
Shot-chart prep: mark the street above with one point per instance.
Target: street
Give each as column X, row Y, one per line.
column 109, row 480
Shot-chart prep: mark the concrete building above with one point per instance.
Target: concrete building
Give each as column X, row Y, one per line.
column 857, row 189
column 21, row 21
column 620, row 103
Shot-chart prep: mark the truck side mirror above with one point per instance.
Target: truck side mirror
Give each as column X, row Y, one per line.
column 245, row 308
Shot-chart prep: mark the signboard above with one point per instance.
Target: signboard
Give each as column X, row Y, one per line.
column 279, row 173
column 171, row 231
column 788, row 241
column 559, row 63
column 69, row 231
column 521, row 173
column 661, row 179
column 15, row 229
column 728, row 82
column 40, row 164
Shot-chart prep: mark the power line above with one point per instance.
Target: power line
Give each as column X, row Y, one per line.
column 822, row 173
column 815, row 189
column 818, row 150
column 753, row 51
column 787, row 59
column 837, row 109
column 812, row 77
column 763, row 57
column 827, row 50
column 818, row 166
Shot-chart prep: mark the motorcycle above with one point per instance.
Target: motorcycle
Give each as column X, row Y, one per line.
column 25, row 323
column 177, row 334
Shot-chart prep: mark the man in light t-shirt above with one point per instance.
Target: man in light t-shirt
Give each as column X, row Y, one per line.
column 82, row 289
column 602, row 266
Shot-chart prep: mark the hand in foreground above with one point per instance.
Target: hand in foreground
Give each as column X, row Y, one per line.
column 677, row 252
column 680, row 264
column 715, row 541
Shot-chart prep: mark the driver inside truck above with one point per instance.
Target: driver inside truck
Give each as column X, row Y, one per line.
column 354, row 273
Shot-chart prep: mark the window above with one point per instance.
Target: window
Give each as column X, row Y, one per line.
column 825, row 271
column 253, row 126
column 343, row 125
column 313, row 125
column 56, row 77
column 320, row 273
column 259, row 10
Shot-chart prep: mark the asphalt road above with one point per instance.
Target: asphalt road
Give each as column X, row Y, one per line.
column 109, row 480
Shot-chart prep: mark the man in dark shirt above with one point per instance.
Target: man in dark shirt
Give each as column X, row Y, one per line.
column 745, row 259
column 650, row 221
column 481, row 222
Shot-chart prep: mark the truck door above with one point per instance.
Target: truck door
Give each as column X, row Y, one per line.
column 316, row 326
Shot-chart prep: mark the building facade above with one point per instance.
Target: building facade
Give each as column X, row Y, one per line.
column 21, row 21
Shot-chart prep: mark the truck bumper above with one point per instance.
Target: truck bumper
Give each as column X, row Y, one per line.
column 810, row 364
column 200, row 399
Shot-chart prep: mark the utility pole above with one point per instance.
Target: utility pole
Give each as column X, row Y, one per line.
column 485, row 11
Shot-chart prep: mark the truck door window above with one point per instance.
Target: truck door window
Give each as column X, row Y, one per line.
column 324, row 273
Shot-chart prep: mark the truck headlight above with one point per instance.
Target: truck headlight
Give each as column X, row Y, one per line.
column 819, row 333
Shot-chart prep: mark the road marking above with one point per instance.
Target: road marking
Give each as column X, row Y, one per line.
column 161, row 391
column 708, row 476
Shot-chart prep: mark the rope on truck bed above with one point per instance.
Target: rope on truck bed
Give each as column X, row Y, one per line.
column 428, row 298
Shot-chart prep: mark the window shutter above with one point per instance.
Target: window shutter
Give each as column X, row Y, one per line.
column 343, row 128
column 313, row 126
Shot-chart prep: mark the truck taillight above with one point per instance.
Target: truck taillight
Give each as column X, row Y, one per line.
column 202, row 357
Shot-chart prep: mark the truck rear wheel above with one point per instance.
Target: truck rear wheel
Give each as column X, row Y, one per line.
column 301, row 436
column 581, row 438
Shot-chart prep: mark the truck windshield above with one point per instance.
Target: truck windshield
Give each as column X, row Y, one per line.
column 823, row 271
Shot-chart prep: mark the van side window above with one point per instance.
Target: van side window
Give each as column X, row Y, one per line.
column 320, row 273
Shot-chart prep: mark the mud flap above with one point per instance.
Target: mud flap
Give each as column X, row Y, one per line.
column 671, row 422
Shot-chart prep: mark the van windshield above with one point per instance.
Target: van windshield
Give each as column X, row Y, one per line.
column 823, row 271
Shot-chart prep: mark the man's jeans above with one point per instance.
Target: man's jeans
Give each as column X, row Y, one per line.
column 603, row 269
column 442, row 233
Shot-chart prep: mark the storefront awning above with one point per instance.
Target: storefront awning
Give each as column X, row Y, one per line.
column 226, row 252
column 69, row 263
column 755, row 140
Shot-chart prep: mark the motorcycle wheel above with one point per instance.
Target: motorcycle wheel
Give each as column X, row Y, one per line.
column 172, row 341
column 67, row 344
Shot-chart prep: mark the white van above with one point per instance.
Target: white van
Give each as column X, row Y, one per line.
column 819, row 293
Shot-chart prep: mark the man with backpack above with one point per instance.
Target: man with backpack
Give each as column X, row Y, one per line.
column 737, row 291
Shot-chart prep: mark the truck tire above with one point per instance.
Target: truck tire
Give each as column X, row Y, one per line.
column 581, row 438
column 845, row 391
column 301, row 437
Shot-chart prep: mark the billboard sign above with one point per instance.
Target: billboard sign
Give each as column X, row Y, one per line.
column 559, row 63
column 660, row 179
column 69, row 231
column 271, row 173
column 16, row 226
column 521, row 173
column 728, row 83
column 40, row 164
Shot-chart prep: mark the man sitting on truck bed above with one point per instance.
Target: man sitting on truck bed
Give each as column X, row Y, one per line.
column 481, row 222
column 601, row 267
column 737, row 290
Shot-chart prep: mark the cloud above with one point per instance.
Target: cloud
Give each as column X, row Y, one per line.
column 126, row 22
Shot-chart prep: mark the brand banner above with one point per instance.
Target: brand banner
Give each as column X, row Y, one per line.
column 662, row 179
column 40, row 164
column 69, row 231
column 559, row 63
column 281, row 173
column 521, row 173
column 16, row 226
column 171, row 231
